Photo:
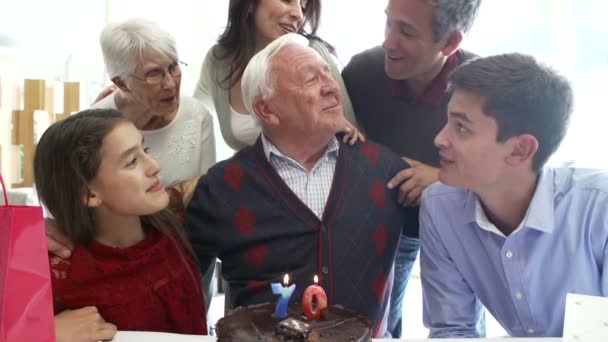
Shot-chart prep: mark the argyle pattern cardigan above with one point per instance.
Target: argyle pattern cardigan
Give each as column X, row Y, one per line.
column 243, row 213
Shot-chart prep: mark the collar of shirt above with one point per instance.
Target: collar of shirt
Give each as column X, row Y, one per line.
column 271, row 151
column 539, row 216
column 435, row 90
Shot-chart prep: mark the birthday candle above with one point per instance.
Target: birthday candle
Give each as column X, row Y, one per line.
column 284, row 293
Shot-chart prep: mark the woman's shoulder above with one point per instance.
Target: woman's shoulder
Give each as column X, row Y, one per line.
column 191, row 104
column 191, row 108
column 216, row 56
column 215, row 68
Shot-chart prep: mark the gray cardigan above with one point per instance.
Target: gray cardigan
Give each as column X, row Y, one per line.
column 209, row 90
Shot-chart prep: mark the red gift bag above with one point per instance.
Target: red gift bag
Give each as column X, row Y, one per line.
column 26, row 300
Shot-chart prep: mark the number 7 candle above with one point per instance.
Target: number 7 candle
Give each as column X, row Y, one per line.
column 284, row 293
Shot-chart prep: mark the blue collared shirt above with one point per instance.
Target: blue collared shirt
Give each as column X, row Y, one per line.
column 312, row 187
column 561, row 246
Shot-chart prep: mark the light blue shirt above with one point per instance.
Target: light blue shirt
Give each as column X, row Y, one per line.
column 312, row 187
column 560, row 247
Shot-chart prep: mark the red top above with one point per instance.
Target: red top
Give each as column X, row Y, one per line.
column 145, row 287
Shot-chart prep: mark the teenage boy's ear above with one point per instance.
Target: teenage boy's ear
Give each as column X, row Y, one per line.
column 523, row 149
column 264, row 112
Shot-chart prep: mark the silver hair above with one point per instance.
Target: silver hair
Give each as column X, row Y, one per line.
column 257, row 81
column 124, row 43
column 450, row 16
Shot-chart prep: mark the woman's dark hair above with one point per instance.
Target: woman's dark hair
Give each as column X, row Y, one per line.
column 237, row 42
column 67, row 159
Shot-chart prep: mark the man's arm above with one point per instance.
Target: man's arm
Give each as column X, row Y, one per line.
column 200, row 224
column 450, row 308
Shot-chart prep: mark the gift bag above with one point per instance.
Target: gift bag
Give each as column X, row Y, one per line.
column 26, row 301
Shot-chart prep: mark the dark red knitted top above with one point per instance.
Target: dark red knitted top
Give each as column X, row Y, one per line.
column 145, row 287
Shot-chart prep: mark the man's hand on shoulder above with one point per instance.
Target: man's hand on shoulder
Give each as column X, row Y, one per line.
column 412, row 181
column 352, row 135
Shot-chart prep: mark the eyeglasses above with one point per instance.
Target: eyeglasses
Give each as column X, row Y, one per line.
column 157, row 75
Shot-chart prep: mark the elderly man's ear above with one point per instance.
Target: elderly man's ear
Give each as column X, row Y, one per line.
column 265, row 113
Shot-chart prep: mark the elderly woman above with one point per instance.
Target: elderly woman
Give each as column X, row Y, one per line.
column 141, row 59
column 253, row 24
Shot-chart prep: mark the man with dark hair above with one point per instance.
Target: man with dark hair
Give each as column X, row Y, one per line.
column 502, row 229
column 398, row 94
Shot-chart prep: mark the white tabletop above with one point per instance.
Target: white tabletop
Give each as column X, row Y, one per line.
column 135, row 336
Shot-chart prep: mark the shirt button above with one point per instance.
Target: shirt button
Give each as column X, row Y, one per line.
column 325, row 270
column 530, row 331
column 509, row 254
column 518, row 295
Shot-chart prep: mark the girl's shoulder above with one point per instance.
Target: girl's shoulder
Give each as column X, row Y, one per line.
column 60, row 268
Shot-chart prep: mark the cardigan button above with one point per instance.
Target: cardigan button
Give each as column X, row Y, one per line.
column 324, row 269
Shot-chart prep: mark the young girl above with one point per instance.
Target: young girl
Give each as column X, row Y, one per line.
column 131, row 258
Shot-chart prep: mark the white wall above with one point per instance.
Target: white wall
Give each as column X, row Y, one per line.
column 58, row 40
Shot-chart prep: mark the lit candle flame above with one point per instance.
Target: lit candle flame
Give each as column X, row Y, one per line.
column 316, row 279
column 286, row 279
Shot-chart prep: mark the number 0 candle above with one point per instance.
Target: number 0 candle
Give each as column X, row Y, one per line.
column 314, row 301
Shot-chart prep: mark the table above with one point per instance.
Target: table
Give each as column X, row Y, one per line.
column 136, row 336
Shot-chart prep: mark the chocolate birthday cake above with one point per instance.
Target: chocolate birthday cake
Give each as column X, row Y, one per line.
column 257, row 323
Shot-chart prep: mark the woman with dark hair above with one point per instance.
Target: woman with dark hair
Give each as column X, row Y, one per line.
column 252, row 24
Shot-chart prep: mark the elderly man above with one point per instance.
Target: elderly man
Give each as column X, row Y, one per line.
column 299, row 201
column 502, row 229
column 398, row 94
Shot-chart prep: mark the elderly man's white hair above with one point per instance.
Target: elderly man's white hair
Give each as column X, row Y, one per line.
column 124, row 43
column 257, row 82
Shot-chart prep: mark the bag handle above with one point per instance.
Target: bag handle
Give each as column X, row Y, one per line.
column 4, row 191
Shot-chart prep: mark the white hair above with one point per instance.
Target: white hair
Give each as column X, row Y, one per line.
column 257, row 82
column 124, row 43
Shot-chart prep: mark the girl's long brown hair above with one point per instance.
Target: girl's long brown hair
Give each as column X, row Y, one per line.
column 67, row 159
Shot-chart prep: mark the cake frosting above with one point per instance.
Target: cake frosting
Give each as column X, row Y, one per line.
column 257, row 323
